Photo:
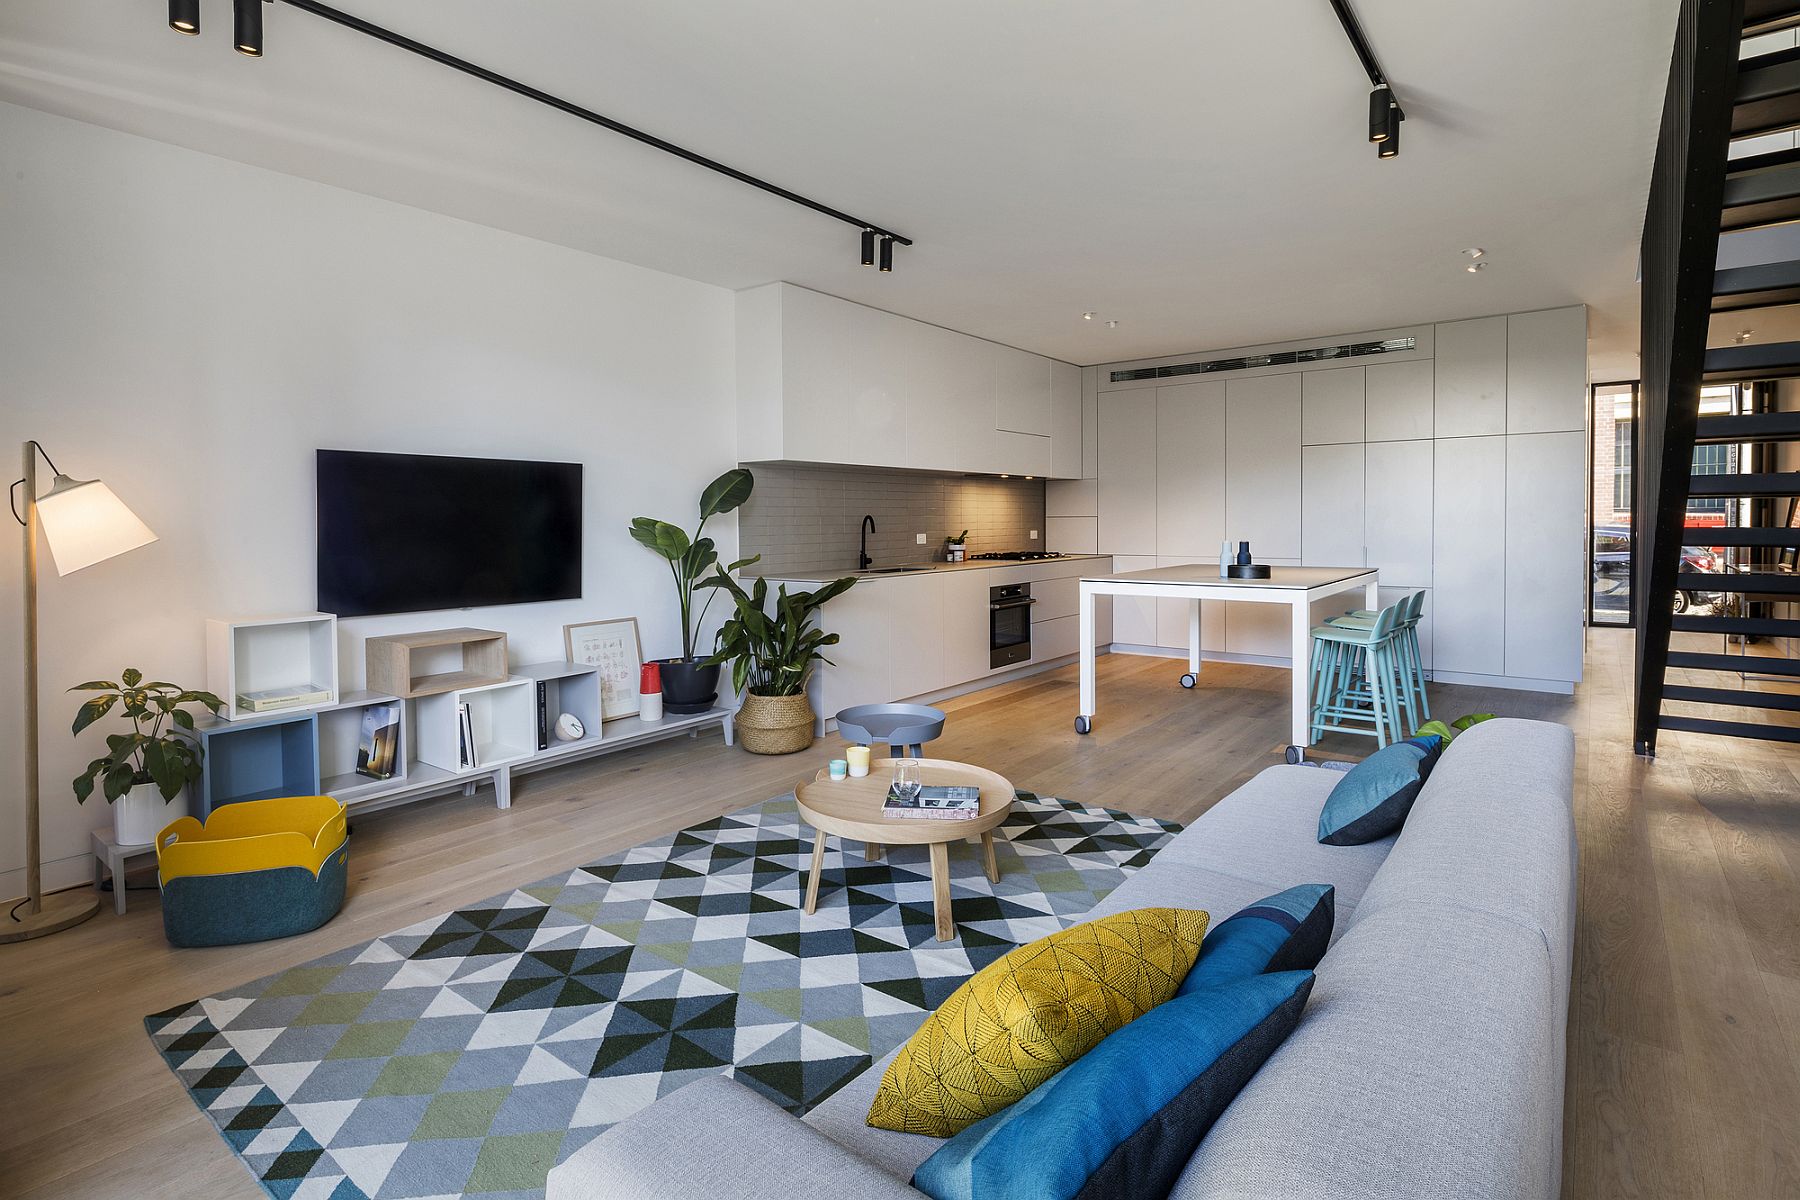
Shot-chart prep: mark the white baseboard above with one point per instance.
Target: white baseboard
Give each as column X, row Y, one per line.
column 59, row 873
column 1515, row 683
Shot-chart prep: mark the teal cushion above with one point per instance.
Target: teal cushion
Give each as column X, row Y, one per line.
column 1124, row 1118
column 1288, row 931
column 1373, row 798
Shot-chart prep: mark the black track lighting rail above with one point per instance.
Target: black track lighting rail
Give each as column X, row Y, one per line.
column 1385, row 113
column 1365, row 53
column 412, row 46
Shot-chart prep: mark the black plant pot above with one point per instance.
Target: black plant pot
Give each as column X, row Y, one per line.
column 689, row 686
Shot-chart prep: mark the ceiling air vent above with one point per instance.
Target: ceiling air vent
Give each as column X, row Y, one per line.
column 1277, row 358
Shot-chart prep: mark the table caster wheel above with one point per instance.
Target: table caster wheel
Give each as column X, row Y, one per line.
column 1083, row 725
column 1189, row 680
column 1296, row 754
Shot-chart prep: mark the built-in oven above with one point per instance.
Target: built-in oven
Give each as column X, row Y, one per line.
column 1009, row 624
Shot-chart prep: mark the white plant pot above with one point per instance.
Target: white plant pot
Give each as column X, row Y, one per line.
column 140, row 814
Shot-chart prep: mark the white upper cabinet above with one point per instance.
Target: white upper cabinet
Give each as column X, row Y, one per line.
column 824, row 380
column 1262, row 464
column 1471, row 378
column 1399, row 404
column 1546, row 370
column 1331, row 514
column 1022, row 403
column 1128, row 473
column 1065, row 420
column 1398, row 506
column 1333, row 402
column 1190, row 471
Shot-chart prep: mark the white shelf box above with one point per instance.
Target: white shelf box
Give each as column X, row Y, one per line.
column 261, row 654
column 340, row 742
column 567, row 688
column 503, row 716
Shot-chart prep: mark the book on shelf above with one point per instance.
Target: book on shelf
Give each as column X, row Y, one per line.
column 952, row 803
column 275, row 699
column 379, row 745
column 543, row 715
column 465, row 729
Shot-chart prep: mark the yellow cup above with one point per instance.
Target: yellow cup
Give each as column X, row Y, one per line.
column 858, row 758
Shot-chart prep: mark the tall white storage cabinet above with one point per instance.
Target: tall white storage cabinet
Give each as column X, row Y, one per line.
column 1332, row 503
column 1471, row 378
column 1128, row 473
column 1546, row 480
column 1468, row 534
column 1262, row 464
column 1546, row 371
column 1190, row 498
column 1398, row 510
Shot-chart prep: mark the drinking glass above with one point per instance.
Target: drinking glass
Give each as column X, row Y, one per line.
column 907, row 780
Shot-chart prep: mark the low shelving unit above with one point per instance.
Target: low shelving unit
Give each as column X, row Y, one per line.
column 258, row 654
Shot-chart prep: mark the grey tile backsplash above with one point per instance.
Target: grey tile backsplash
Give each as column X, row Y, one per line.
column 807, row 518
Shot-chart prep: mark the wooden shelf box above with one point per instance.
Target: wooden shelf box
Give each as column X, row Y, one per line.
column 258, row 759
column 503, row 716
column 340, row 737
column 261, row 654
column 399, row 663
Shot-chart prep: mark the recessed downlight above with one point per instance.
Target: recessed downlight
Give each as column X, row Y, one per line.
column 1087, row 316
column 1475, row 267
column 1112, row 324
column 1744, row 335
column 1474, row 252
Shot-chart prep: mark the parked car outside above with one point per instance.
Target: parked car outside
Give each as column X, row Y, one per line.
column 1612, row 563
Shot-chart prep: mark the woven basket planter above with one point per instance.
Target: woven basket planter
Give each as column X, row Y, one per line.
column 775, row 724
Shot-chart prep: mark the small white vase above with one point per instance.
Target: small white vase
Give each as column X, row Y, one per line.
column 140, row 814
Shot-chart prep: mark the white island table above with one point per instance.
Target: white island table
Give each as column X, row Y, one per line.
column 1296, row 587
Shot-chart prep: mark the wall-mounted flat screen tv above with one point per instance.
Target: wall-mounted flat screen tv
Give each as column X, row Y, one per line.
column 414, row 532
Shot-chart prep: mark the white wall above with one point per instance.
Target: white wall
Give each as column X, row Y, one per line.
column 190, row 329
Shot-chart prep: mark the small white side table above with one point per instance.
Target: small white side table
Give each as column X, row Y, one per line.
column 110, row 858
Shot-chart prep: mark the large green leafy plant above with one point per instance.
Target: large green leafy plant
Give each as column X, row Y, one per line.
column 772, row 653
column 153, row 752
column 691, row 556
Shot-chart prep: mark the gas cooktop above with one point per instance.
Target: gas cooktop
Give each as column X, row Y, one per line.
column 1016, row 555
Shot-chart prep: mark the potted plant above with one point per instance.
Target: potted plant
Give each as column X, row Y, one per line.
column 771, row 656
column 690, row 683
column 953, row 547
column 142, row 772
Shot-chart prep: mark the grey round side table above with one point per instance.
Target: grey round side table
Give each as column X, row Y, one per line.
column 904, row 727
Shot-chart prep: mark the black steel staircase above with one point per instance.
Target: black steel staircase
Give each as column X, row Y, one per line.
column 1698, row 192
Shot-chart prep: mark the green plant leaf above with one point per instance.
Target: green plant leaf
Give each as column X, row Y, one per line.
column 659, row 536
column 741, row 563
column 726, row 493
column 132, row 677
column 118, row 780
column 183, row 718
column 91, row 711
column 96, row 685
column 84, row 786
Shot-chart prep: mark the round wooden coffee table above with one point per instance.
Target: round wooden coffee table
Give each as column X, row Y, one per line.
column 851, row 808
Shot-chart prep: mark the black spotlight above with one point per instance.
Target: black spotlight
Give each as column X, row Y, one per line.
column 868, row 247
column 1381, row 114
column 887, row 254
column 247, row 27
column 1390, row 145
column 184, row 16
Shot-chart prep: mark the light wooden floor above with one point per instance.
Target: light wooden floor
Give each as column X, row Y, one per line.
column 1684, row 1042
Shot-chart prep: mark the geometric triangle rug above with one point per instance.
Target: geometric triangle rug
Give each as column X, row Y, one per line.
column 471, row 1052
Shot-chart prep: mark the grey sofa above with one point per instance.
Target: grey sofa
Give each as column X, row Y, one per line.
column 1429, row 1062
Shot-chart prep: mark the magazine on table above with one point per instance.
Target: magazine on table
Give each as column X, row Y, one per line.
column 952, row 803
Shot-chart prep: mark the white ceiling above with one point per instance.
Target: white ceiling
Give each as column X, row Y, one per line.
column 1195, row 170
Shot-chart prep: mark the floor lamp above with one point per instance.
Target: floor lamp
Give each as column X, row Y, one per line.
column 83, row 523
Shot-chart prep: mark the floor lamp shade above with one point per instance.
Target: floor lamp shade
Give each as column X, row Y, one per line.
column 84, row 523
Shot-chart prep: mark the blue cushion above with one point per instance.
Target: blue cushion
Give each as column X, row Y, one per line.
column 1433, row 746
column 1373, row 798
column 1288, row 931
column 1125, row 1117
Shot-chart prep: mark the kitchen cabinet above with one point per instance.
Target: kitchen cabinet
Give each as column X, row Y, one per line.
column 1471, row 378
column 1546, row 482
column 965, row 624
column 823, row 380
column 1398, row 401
column 916, row 643
column 1332, row 403
column 1266, row 630
column 1127, row 466
column 1262, row 464
column 1190, row 470
column 1133, row 617
column 1065, row 420
column 1397, row 508
column 1331, row 519
column 1469, row 534
column 1546, row 370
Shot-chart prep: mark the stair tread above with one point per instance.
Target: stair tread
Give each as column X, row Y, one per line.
column 1762, row 195
column 1692, row 661
column 1735, row 364
column 1760, row 286
column 1734, row 697
column 1740, row 626
column 1743, row 729
column 1764, row 15
column 1764, row 582
column 1768, row 94
column 1749, row 427
column 1752, row 163
column 1746, row 483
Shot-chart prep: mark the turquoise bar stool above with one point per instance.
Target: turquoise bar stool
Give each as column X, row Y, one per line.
column 1355, row 673
column 1415, row 699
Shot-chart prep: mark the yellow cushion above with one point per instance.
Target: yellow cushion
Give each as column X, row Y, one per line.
column 1027, row 1015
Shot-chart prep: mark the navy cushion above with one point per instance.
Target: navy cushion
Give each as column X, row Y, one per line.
column 1373, row 798
column 1433, row 746
column 1288, row 931
column 1125, row 1117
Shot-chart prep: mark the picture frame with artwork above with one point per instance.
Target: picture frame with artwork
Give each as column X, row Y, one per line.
column 613, row 648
